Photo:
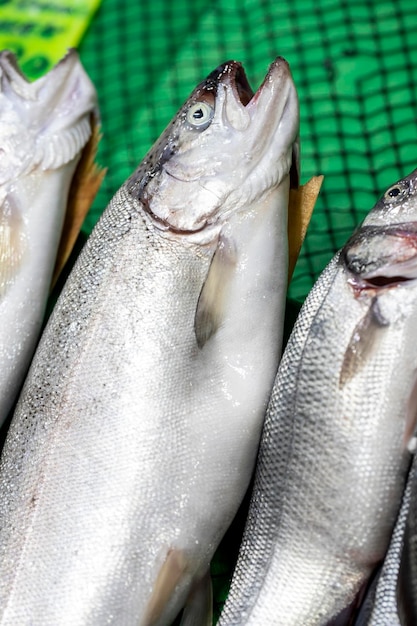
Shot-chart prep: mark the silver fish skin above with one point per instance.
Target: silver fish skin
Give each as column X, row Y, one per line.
column 391, row 600
column 334, row 450
column 406, row 588
column 135, row 436
column 44, row 126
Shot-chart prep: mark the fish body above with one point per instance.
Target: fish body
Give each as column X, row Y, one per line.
column 406, row 575
column 334, row 450
column 44, row 126
column 135, row 436
column 392, row 597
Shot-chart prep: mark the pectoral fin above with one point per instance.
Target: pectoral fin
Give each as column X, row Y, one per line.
column 362, row 342
column 12, row 243
column 212, row 300
column 168, row 578
column 301, row 205
column 199, row 608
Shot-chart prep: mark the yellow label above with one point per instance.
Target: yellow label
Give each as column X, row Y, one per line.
column 40, row 32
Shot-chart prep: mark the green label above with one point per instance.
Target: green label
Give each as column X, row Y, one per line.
column 40, row 32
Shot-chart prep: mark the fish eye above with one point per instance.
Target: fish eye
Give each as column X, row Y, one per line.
column 394, row 193
column 199, row 115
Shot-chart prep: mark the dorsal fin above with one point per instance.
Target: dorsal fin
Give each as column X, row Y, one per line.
column 84, row 187
column 301, row 204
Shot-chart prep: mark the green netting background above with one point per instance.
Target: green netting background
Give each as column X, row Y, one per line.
column 354, row 63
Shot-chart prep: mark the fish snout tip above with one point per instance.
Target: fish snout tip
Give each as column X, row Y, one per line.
column 279, row 71
column 7, row 55
column 70, row 58
column 9, row 67
column 281, row 64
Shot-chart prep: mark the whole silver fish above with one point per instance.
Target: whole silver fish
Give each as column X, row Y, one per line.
column 44, row 126
column 136, row 433
column 334, row 450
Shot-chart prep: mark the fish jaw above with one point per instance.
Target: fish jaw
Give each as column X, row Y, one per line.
column 192, row 181
column 385, row 255
column 383, row 251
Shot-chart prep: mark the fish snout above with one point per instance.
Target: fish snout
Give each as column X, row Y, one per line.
column 382, row 257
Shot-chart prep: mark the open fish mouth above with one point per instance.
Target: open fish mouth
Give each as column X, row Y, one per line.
column 382, row 281
column 262, row 111
column 233, row 72
column 380, row 258
column 274, row 89
column 228, row 145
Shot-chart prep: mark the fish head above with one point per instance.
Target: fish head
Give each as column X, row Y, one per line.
column 397, row 205
column 45, row 123
column 382, row 253
column 225, row 149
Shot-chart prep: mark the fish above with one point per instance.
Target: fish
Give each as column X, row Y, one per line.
column 44, row 127
column 135, row 435
column 338, row 435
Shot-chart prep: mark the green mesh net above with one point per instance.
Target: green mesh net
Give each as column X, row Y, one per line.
column 354, row 63
column 355, row 66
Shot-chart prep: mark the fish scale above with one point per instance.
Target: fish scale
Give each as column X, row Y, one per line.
column 390, row 600
column 74, row 449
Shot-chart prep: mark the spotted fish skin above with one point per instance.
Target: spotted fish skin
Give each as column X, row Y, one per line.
column 44, row 126
column 136, row 433
column 334, row 451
